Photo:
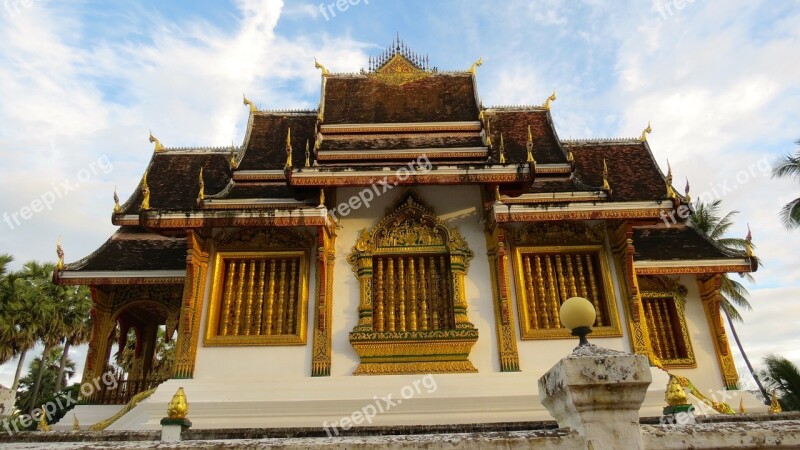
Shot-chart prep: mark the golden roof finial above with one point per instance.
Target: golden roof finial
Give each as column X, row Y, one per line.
column 550, row 100
column 178, row 407
column 201, row 195
column 60, row 253
column 321, row 197
column 675, row 395
column 249, row 103
column 288, row 149
column 308, row 155
column 775, row 405
column 645, row 132
column 154, row 140
column 117, row 208
column 570, row 157
column 529, row 146
column 488, row 131
column 43, row 425
column 475, row 65
column 687, row 197
column 76, row 426
column 741, row 405
column 481, row 115
column 321, row 67
column 145, row 193
column 670, row 190
column 502, row 150
column 748, row 240
column 606, row 185
column 497, row 193
column 234, row 161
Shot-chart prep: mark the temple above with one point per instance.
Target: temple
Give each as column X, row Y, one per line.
column 401, row 234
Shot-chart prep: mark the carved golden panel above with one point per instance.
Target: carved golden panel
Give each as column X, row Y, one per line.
column 258, row 298
column 398, row 71
column 546, row 276
column 664, row 311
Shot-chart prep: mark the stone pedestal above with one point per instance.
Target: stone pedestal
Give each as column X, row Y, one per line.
column 598, row 393
column 171, row 428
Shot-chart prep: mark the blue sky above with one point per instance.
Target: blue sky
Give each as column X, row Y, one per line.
column 82, row 82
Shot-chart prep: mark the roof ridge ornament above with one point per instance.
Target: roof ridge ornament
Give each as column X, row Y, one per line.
column 550, row 100
column 645, row 132
column 474, row 68
column 670, row 190
column 60, row 254
column 288, row 165
column 249, row 103
column 308, row 156
column 529, row 147
column 606, row 185
column 117, row 208
column 748, row 241
column 201, row 194
column 154, row 140
column 502, row 150
column 317, row 65
column 687, row 198
column 145, row 193
column 233, row 160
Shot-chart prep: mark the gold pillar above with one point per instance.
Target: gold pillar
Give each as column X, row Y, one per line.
column 711, row 298
column 498, row 270
column 321, row 351
column 622, row 247
column 192, row 307
column 99, row 344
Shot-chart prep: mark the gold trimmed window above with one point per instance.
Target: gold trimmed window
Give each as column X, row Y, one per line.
column 412, row 313
column 259, row 297
column 547, row 275
column 664, row 302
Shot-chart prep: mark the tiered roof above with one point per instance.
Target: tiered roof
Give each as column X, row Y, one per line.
column 368, row 125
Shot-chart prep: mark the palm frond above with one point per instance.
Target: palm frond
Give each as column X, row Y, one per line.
column 790, row 214
column 787, row 166
column 784, row 377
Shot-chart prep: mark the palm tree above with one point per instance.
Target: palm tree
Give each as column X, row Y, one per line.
column 46, row 307
column 707, row 219
column 18, row 326
column 788, row 166
column 782, row 376
column 25, row 398
column 77, row 323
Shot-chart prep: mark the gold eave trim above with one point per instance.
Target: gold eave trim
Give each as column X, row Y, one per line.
column 254, row 203
column 259, row 175
column 410, row 153
column 307, row 216
column 400, row 127
column 128, row 219
column 122, row 277
column 555, row 197
column 402, row 176
column 553, row 168
column 578, row 211
column 698, row 266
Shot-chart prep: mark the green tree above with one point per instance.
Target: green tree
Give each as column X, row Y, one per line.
column 77, row 305
column 27, row 399
column 19, row 323
column 788, row 166
column 783, row 377
column 708, row 220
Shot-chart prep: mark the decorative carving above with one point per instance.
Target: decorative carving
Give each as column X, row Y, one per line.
column 154, row 140
column 412, row 229
column 278, row 238
column 711, row 298
column 654, row 291
column 550, row 100
column 552, row 233
column 498, row 268
column 398, row 71
column 645, row 132
column 247, row 102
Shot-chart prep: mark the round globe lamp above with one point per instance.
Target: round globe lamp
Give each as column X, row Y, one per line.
column 578, row 315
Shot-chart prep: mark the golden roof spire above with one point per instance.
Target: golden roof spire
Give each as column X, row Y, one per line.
column 670, row 190
column 249, row 103
column 321, row 197
column 201, row 195
column 308, row 155
column 550, row 100
column 687, row 197
column 233, row 162
column 645, row 132
column 475, row 65
column 145, row 193
column 288, row 149
column 748, row 240
column 117, row 208
column 502, row 150
column 529, row 146
column 60, row 253
column 606, row 185
column 154, row 140
column 488, row 131
column 321, row 67
column 497, row 193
